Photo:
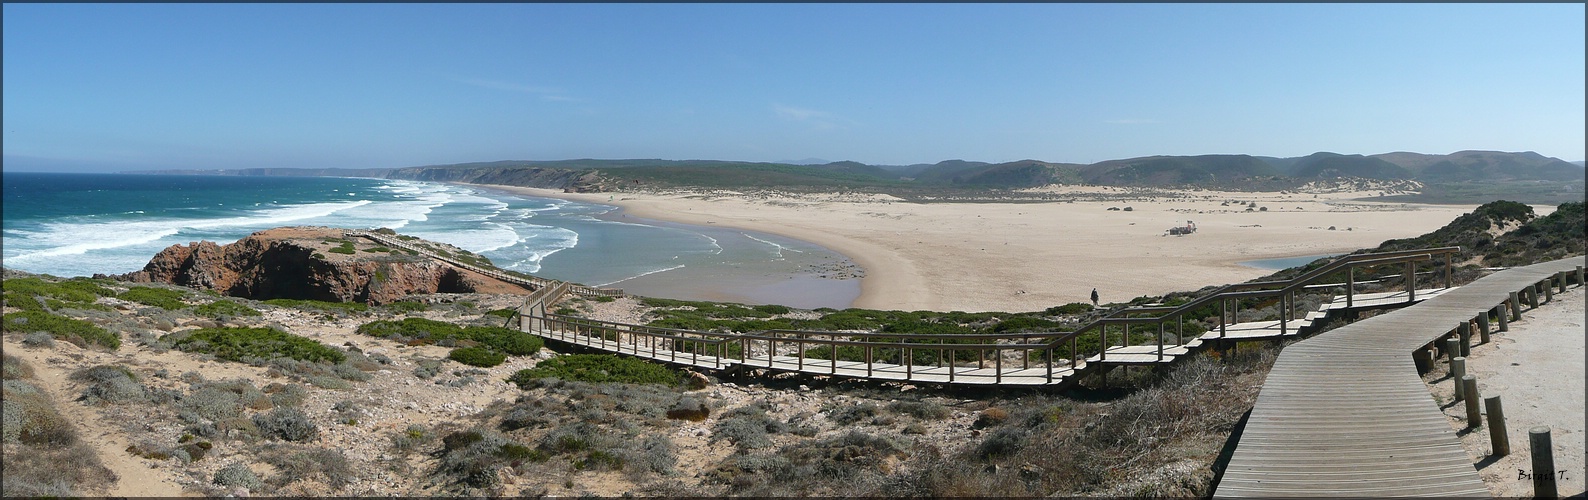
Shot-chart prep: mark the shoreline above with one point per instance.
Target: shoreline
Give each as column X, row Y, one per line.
column 798, row 274
column 992, row 256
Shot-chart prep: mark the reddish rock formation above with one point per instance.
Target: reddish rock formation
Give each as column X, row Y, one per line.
column 297, row 263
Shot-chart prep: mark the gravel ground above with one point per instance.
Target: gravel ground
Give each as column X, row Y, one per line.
column 1537, row 369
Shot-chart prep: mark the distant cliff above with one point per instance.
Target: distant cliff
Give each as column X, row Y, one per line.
column 311, row 263
column 549, row 178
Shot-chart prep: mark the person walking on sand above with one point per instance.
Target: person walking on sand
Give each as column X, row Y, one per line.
column 1094, row 297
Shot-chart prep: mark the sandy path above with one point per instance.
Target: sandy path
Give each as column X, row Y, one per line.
column 135, row 476
column 1031, row 256
column 1537, row 369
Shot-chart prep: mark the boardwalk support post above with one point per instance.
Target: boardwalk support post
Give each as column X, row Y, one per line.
column 1469, row 388
column 1498, row 441
column 1516, row 307
column 1549, row 289
column 1452, row 349
column 1562, row 277
column 1532, row 296
column 1464, row 332
column 1543, row 462
column 1483, row 327
column 1502, row 315
column 1579, row 276
column 1458, row 372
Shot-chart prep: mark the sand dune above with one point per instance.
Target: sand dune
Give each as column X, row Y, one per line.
column 1030, row 256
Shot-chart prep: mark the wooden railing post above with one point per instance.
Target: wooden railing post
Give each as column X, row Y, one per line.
column 1025, row 360
column 1102, row 344
column 1160, row 341
column 1450, row 258
column 951, row 363
column 998, row 365
column 868, row 360
column 1282, row 309
column 1350, row 285
column 1224, row 310
column 1411, row 282
column 834, row 356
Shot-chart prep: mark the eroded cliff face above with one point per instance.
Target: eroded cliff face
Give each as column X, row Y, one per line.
column 298, row 263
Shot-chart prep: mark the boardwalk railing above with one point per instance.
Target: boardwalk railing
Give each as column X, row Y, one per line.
column 1013, row 358
column 531, row 282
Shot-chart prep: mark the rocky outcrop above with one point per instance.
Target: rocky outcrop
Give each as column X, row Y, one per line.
column 298, row 263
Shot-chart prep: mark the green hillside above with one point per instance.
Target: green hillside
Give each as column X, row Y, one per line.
column 1178, row 170
column 1331, row 165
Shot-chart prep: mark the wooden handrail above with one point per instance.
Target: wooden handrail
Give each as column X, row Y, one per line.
column 1047, row 342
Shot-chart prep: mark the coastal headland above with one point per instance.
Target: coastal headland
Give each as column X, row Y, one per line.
column 1020, row 256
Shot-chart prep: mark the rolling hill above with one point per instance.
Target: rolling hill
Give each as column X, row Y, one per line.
column 1447, row 176
column 1177, row 170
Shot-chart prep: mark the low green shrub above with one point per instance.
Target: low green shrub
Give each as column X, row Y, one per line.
column 30, row 417
column 79, row 332
column 236, row 344
column 294, row 464
column 502, row 313
column 163, row 298
column 345, row 248
column 318, row 305
column 72, row 290
column 427, row 330
column 772, row 309
column 472, row 458
column 287, row 424
column 407, row 306
column 223, row 309
column 238, row 475
column 113, row 384
column 15, row 368
column 23, row 301
column 507, row 340
column 599, row 368
column 477, row 356
column 749, row 427
column 920, row 409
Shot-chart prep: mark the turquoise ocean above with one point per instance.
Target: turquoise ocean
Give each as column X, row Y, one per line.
column 86, row 224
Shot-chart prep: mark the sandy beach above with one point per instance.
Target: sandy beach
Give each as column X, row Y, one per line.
column 1022, row 256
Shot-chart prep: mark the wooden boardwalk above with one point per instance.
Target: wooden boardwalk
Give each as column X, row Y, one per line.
column 1014, row 359
column 1345, row 413
column 526, row 281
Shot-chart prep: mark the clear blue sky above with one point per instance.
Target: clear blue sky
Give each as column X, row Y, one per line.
column 359, row 85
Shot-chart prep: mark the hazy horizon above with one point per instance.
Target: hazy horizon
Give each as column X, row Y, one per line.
column 228, row 86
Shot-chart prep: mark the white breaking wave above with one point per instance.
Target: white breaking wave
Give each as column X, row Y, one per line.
column 647, row 273
column 778, row 249
column 75, row 238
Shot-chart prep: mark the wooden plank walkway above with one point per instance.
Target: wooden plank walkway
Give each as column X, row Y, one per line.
column 1013, row 372
column 1345, row 413
column 526, row 281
